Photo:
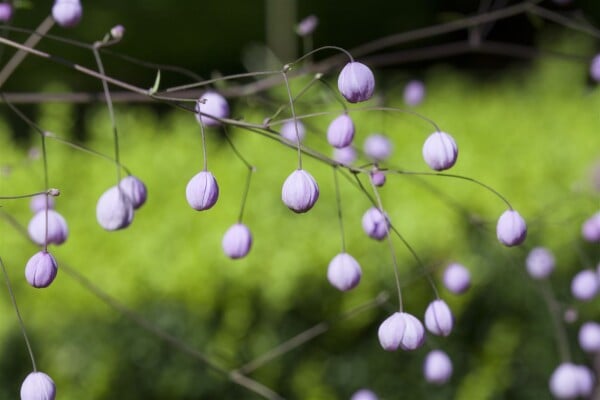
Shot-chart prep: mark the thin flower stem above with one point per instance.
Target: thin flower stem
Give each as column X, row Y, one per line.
column 336, row 94
column 286, row 105
column 322, row 48
column 245, row 195
column 24, row 196
column 203, row 136
column 222, row 78
column 293, row 111
column 16, row 308
column 338, row 201
column 559, row 329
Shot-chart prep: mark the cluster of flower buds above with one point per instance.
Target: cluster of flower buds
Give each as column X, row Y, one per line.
column 570, row 381
column 116, row 206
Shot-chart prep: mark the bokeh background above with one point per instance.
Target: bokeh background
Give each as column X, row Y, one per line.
column 527, row 126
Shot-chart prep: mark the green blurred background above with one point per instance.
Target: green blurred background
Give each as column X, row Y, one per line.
column 530, row 130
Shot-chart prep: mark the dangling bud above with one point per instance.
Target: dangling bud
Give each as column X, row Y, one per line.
column 437, row 367
column 307, row 26
column 401, row 330
column 377, row 177
column 585, row 285
column 117, row 31
column 38, row 386
column 202, row 191
column 341, row 131
column 438, row 318
column 300, row 191
column 41, row 269
column 344, row 272
column 135, row 190
column 589, row 337
column 345, row 155
column 57, row 228
column 377, row 147
column 440, row 151
column 6, row 11
column 540, row 263
column 38, row 202
column 590, row 230
column 67, row 13
column 375, row 223
column 114, row 210
column 213, row 105
column 237, row 241
column 288, row 131
column 569, row 381
column 511, row 228
column 595, row 68
column 414, row 93
column 457, row 278
column 356, row 82
column 364, row 394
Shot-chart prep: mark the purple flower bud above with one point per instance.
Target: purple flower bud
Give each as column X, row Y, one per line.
column 414, row 93
column 438, row 318
column 300, row 191
column 377, row 147
column 377, row 178
column 307, row 25
column 288, row 131
column 584, row 285
column 457, row 278
column 570, row 315
column 356, row 82
column 401, row 330
column 511, row 228
column 341, row 131
column 437, row 367
column 135, row 190
column 590, row 230
column 212, row 104
column 540, row 263
column 202, row 191
column 375, row 223
column 57, row 228
column 440, row 151
column 114, row 210
column 117, row 31
column 589, row 337
column 569, row 381
column 67, row 13
column 6, row 12
column 344, row 272
column 595, row 68
column 38, row 203
column 345, row 155
column 41, row 269
column 38, row 386
column 364, row 394
column 237, row 241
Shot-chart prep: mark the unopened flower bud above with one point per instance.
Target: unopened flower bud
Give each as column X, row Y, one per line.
column 377, row 147
column 288, row 131
column 595, row 68
column 56, row 233
column 117, row 31
column 511, row 228
column 114, row 210
column 6, row 11
column 540, row 263
column 375, row 223
column 344, row 272
column 590, row 230
column 38, row 386
column 414, row 93
column 40, row 201
column 589, row 337
column 585, row 285
column 341, row 131
column 440, row 151
column 135, row 190
column 356, row 82
column 401, row 330
column 569, row 381
column 41, row 269
column 212, row 105
column 345, row 155
column 307, row 26
column 377, row 178
column 67, row 13
column 300, row 191
column 437, row 367
column 457, row 278
column 237, row 241
column 202, row 191
column 364, row 394
column 438, row 318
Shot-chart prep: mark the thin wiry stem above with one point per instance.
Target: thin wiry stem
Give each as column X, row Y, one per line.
column 559, row 329
column 293, row 111
column 338, row 201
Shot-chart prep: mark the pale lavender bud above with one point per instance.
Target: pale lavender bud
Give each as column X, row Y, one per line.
column 237, row 241
column 401, row 330
column 38, row 386
column 114, row 210
column 511, row 228
column 437, row 367
column 41, row 269
column 377, row 147
column 345, row 155
column 440, row 151
column 300, row 191
column 356, row 82
column 589, row 337
column 6, row 12
column 414, row 93
column 438, row 318
column 117, row 31
column 569, row 381
column 540, row 262
column 214, row 106
column 288, row 131
column 307, row 26
column 375, row 223
column 135, row 190
column 57, row 228
column 344, row 272
column 595, row 68
column 377, row 178
column 67, row 13
column 38, row 202
column 202, row 191
column 414, row 333
column 590, row 230
column 457, row 278
column 341, row 131
column 585, row 380
column 584, row 285
column 364, row 394
column 570, row 316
